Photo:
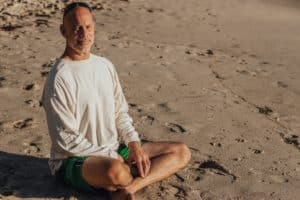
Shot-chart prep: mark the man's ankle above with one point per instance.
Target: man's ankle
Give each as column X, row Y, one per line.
column 129, row 189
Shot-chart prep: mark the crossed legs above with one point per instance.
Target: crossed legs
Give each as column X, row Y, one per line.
column 111, row 174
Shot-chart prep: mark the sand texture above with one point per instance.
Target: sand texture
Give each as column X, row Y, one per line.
column 221, row 76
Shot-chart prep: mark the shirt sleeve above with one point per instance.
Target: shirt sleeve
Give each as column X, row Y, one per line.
column 64, row 127
column 124, row 122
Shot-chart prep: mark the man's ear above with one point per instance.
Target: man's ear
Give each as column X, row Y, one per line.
column 62, row 30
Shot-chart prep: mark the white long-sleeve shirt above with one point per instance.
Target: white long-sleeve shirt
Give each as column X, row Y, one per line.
column 87, row 113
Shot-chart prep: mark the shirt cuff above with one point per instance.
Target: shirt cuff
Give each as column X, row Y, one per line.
column 132, row 136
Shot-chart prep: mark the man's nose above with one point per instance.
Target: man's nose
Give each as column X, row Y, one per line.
column 82, row 32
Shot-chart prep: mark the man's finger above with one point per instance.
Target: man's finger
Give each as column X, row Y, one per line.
column 146, row 167
column 149, row 165
column 140, row 167
column 129, row 161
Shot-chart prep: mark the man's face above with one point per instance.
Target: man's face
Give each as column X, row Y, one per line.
column 79, row 28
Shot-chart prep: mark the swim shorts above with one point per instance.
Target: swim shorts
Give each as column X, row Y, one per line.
column 70, row 171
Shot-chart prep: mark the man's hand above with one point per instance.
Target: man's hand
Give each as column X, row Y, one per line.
column 139, row 157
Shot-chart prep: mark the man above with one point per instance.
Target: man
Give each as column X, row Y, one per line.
column 90, row 129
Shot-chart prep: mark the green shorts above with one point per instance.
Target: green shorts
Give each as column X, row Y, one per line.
column 70, row 171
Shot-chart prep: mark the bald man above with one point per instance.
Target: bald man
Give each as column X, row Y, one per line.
column 94, row 144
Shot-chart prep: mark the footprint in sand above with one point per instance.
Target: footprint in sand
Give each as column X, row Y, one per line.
column 20, row 124
column 189, row 52
column 114, row 36
column 173, row 190
column 193, row 52
column 31, row 147
column 181, row 192
column 33, row 103
column 264, row 110
column 44, row 73
column 2, row 79
column 238, row 158
column 50, row 63
column 123, row 44
column 16, row 37
column 28, row 86
column 217, row 144
column 179, row 177
column 243, row 62
column 192, row 173
column 97, row 6
column 43, row 14
column 217, row 75
column 132, row 105
column 264, row 63
column 164, row 107
column 216, row 168
column 240, row 140
column 282, row 84
column 31, row 86
column 10, row 27
column 278, row 179
column 208, row 195
column 175, row 128
column 147, row 120
column 257, row 151
column 135, row 106
column 152, row 10
column 292, row 139
column 242, row 71
column 41, row 22
column 209, row 52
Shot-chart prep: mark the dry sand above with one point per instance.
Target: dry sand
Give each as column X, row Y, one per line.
column 222, row 76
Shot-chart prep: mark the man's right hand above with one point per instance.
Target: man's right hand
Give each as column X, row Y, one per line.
column 139, row 157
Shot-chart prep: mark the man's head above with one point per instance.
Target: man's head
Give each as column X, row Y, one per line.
column 78, row 27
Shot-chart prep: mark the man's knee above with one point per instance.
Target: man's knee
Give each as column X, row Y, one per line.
column 183, row 153
column 118, row 173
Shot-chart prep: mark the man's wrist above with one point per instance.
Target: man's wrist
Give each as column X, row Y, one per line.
column 134, row 144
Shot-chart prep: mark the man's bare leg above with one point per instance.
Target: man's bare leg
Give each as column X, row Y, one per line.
column 166, row 159
column 105, row 172
column 111, row 174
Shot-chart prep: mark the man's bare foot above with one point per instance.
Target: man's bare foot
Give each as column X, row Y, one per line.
column 122, row 195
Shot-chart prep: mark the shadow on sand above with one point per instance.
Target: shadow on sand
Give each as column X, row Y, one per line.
column 25, row 176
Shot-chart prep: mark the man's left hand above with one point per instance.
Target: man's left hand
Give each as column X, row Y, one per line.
column 138, row 156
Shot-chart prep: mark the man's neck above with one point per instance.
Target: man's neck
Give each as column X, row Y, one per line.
column 70, row 54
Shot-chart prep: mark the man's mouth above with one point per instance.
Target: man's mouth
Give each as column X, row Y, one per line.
column 83, row 42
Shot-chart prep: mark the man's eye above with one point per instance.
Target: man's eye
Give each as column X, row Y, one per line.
column 76, row 29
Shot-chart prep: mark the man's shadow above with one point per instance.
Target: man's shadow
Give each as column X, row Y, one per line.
column 29, row 177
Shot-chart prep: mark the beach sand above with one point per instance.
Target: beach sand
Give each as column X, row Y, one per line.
column 221, row 76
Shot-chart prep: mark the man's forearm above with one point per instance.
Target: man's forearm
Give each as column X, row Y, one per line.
column 134, row 144
column 125, row 128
